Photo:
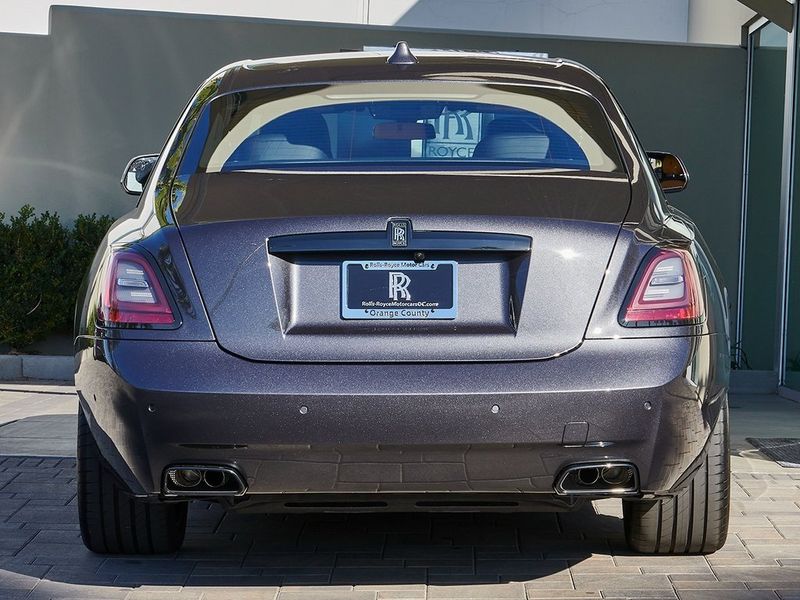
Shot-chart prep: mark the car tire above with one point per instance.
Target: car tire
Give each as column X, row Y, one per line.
column 111, row 520
column 694, row 521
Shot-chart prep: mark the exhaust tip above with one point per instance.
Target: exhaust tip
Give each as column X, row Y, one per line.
column 598, row 479
column 617, row 475
column 185, row 478
column 214, row 479
column 588, row 476
column 199, row 480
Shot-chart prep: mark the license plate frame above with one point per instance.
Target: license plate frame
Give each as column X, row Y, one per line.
column 399, row 308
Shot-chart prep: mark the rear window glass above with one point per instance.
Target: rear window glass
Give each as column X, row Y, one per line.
column 407, row 126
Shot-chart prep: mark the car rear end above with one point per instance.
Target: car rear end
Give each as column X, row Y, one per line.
column 420, row 293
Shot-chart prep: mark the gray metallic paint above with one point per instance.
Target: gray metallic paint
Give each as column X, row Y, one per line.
column 278, row 308
column 421, row 420
column 155, row 393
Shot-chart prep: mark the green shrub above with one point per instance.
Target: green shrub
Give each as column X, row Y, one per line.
column 86, row 234
column 42, row 264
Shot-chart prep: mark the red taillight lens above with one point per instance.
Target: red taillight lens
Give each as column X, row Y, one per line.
column 132, row 294
column 667, row 293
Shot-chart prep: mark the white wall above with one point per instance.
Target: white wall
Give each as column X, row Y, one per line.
column 31, row 16
column 717, row 21
column 696, row 21
column 654, row 20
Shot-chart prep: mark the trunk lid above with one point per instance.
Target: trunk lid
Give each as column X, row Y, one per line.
column 530, row 253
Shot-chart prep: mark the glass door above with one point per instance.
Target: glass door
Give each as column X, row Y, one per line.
column 792, row 335
column 757, row 325
column 790, row 350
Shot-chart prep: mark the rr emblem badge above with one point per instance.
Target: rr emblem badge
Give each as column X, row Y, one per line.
column 398, row 232
column 398, row 286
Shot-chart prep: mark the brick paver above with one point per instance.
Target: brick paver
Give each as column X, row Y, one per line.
column 37, row 419
column 383, row 556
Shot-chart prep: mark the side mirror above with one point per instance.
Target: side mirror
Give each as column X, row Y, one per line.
column 670, row 171
column 137, row 172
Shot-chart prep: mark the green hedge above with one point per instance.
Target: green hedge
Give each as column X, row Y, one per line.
column 42, row 264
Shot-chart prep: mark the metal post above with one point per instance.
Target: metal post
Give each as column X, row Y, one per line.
column 745, row 186
column 787, row 185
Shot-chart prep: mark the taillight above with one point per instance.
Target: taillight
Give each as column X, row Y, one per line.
column 667, row 293
column 132, row 294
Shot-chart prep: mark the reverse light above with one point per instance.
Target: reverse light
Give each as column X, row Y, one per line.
column 667, row 293
column 132, row 294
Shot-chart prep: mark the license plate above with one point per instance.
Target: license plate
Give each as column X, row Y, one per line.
column 398, row 289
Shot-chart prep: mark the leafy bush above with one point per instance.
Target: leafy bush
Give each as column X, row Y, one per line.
column 42, row 264
column 86, row 234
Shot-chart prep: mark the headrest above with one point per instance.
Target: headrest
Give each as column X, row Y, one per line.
column 513, row 139
column 304, row 128
column 511, row 125
column 267, row 148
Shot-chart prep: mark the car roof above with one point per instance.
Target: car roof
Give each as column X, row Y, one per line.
column 490, row 67
column 383, row 56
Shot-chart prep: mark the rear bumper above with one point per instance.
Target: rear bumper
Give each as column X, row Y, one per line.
column 494, row 428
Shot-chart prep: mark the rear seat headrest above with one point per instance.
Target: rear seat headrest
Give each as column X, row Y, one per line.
column 513, row 139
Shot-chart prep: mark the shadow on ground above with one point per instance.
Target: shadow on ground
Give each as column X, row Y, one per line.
column 40, row 540
column 40, row 435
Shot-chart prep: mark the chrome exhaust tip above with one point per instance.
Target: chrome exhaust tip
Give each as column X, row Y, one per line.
column 598, row 479
column 616, row 475
column 185, row 478
column 214, row 479
column 203, row 480
column 588, row 476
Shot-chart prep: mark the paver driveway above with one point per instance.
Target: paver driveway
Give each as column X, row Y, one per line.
column 573, row 555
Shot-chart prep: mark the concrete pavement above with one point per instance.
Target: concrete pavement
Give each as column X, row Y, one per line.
column 330, row 557
column 37, row 419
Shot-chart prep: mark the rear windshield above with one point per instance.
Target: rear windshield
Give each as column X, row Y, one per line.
column 405, row 126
